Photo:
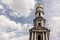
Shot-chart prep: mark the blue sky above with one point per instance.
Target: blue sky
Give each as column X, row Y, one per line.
column 16, row 18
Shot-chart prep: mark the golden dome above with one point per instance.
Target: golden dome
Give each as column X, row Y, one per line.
column 39, row 5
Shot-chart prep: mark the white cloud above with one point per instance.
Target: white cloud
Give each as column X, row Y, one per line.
column 9, row 2
column 52, row 11
column 54, row 25
column 8, row 29
column 1, row 7
column 15, row 14
column 21, row 6
column 5, row 22
column 25, row 37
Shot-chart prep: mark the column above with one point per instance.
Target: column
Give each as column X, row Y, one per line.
column 46, row 36
column 43, row 36
column 35, row 36
column 32, row 36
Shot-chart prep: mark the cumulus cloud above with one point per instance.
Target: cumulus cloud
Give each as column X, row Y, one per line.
column 9, row 2
column 10, row 29
column 4, row 22
column 15, row 14
column 21, row 6
column 1, row 7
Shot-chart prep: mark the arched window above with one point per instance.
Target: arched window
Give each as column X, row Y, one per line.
column 39, row 38
column 39, row 24
column 39, row 13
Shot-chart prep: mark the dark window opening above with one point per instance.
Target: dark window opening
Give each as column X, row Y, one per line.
column 39, row 38
column 39, row 13
column 39, row 24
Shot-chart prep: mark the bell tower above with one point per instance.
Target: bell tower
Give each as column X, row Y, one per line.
column 39, row 32
column 39, row 20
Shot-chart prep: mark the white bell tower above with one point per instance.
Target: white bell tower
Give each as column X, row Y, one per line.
column 39, row 32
